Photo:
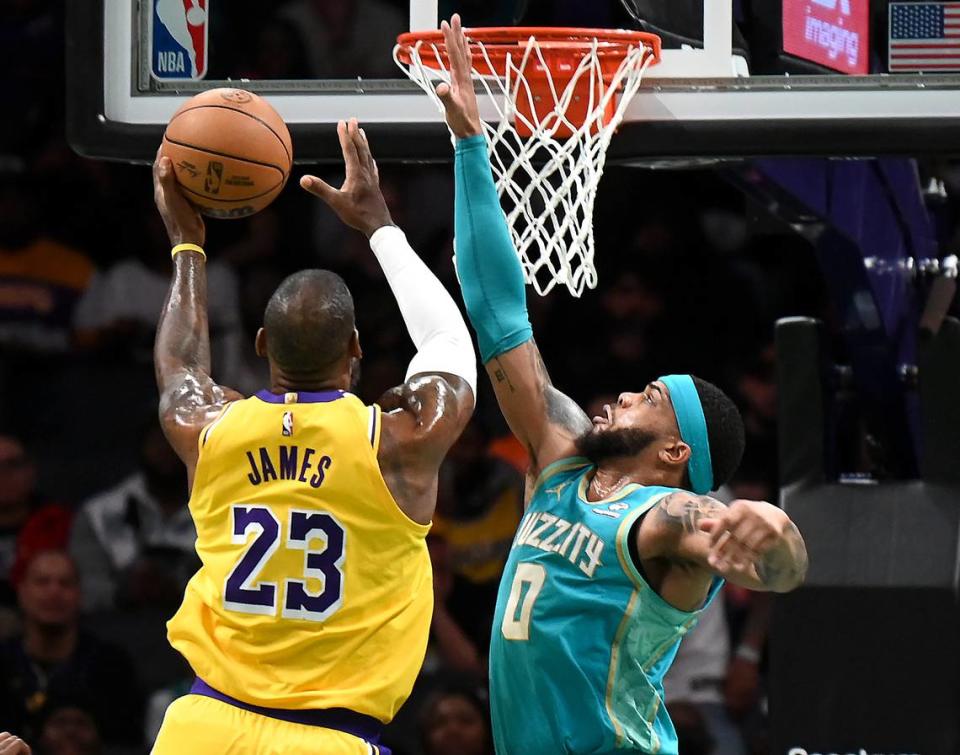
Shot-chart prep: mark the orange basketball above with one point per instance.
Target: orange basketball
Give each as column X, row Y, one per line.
column 231, row 152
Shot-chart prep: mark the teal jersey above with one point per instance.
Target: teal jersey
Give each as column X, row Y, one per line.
column 580, row 641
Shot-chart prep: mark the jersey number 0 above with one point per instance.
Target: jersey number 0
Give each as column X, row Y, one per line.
column 527, row 584
column 245, row 594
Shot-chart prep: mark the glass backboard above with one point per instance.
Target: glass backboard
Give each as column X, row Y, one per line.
column 783, row 77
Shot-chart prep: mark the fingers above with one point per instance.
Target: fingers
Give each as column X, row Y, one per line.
column 163, row 169
column 709, row 525
column 159, row 164
column 733, row 552
column 362, row 146
column 349, row 148
column 372, row 162
column 736, row 541
column 11, row 745
column 458, row 51
column 465, row 53
column 319, row 188
column 445, row 93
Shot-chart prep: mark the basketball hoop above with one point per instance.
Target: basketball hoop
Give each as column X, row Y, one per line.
column 559, row 96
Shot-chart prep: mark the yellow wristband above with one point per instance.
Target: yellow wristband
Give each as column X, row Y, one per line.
column 188, row 248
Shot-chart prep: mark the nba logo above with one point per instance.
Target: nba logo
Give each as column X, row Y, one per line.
column 211, row 184
column 178, row 39
column 287, row 426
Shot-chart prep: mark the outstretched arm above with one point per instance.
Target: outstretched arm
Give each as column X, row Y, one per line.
column 189, row 398
column 424, row 416
column 545, row 420
column 750, row 543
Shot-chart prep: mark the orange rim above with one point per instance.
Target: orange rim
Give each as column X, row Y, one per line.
column 562, row 47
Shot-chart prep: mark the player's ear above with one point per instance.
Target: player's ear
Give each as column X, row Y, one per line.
column 354, row 348
column 260, row 344
column 675, row 452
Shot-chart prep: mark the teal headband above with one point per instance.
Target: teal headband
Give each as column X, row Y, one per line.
column 693, row 430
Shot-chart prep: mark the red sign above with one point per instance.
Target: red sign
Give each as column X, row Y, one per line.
column 832, row 33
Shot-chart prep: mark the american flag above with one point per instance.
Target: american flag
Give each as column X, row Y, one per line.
column 924, row 37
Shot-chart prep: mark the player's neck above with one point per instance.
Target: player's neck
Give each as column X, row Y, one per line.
column 280, row 382
column 612, row 475
column 49, row 643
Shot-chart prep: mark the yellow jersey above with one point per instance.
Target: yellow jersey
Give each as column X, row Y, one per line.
column 315, row 589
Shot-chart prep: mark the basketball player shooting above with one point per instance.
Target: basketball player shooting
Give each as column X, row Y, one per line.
column 620, row 548
column 307, row 622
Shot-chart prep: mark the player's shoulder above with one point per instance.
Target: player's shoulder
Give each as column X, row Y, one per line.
column 562, row 470
column 427, row 406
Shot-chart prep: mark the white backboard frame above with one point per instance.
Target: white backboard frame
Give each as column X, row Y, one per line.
column 720, row 114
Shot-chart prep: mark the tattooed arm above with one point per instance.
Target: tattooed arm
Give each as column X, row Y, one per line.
column 749, row 543
column 545, row 420
column 189, row 398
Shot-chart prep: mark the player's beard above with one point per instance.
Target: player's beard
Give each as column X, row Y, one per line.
column 599, row 445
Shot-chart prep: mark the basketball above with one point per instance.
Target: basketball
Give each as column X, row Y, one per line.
column 231, row 152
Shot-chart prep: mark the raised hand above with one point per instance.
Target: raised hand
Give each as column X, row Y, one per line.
column 359, row 202
column 182, row 219
column 458, row 97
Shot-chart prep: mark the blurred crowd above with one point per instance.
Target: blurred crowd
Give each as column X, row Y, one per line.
column 96, row 542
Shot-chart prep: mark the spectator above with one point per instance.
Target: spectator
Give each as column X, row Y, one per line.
column 134, row 543
column 479, row 506
column 28, row 522
column 69, row 728
column 54, row 659
column 455, row 721
column 628, row 311
column 451, row 649
column 121, row 309
column 41, row 280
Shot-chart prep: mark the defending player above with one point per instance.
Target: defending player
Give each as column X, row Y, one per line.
column 614, row 559
column 307, row 623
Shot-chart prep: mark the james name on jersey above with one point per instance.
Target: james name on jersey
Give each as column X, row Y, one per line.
column 288, row 463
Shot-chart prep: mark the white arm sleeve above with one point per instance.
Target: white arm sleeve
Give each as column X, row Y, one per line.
column 430, row 314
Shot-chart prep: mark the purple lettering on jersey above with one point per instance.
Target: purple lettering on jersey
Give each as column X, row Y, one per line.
column 288, row 462
column 317, row 480
column 269, row 473
column 305, row 466
column 254, row 476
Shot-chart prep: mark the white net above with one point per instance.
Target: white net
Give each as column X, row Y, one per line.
column 547, row 181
